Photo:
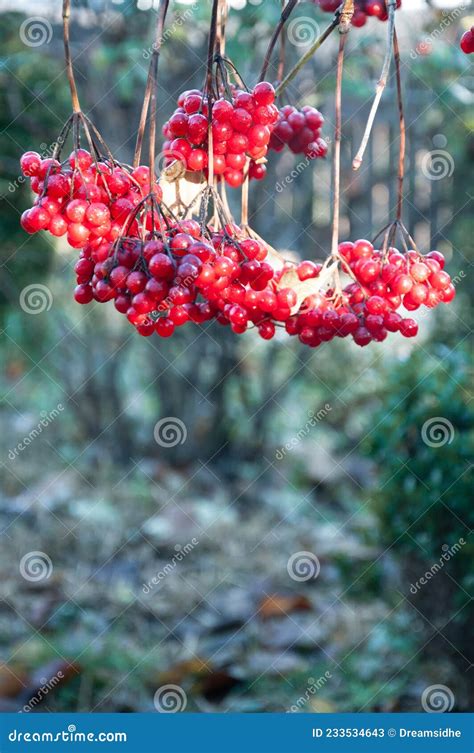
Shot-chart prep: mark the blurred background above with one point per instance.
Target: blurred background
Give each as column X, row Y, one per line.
column 299, row 540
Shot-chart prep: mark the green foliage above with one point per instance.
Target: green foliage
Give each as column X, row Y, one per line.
column 423, row 498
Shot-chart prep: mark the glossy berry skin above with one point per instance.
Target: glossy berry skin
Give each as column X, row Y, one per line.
column 467, row 41
column 241, row 129
column 364, row 9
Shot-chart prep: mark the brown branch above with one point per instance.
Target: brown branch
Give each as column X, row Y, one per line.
column 401, row 115
column 308, row 55
column 337, row 147
column 380, row 87
column 285, row 14
column 211, row 48
column 67, row 56
column 150, row 90
column 345, row 24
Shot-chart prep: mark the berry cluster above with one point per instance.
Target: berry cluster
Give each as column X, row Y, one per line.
column 241, row 129
column 467, row 41
column 367, row 308
column 85, row 200
column 180, row 275
column 300, row 130
column 363, row 9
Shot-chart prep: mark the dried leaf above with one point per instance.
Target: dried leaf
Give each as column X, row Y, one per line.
column 185, row 669
column 278, row 605
column 13, row 681
column 305, row 288
column 216, row 686
column 62, row 671
column 180, row 186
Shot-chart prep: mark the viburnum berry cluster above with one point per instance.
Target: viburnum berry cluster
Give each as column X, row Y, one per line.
column 84, row 199
column 241, row 129
column 369, row 307
column 364, row 9
column 163, row 270
column 185, row 273
column 467, row 41
column 300, row 130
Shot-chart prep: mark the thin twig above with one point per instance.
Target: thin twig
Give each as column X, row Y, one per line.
column 211, row 46
column 150, row 80
column 281, row 56
column 308, row 55
column 401, row 113
column 220, row 32
column 285, row 14
column 380, row 87
column 67, row 56
column 337, row 147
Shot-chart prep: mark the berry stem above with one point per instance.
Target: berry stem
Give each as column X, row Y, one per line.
column 67, row 56
column 220, row 30
column 382, row 83
column 150, row 89
column 285, row 14
column 308, row 55
column 401, row 113
column 245, row 201
column 212, row 46
column 345, row 18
